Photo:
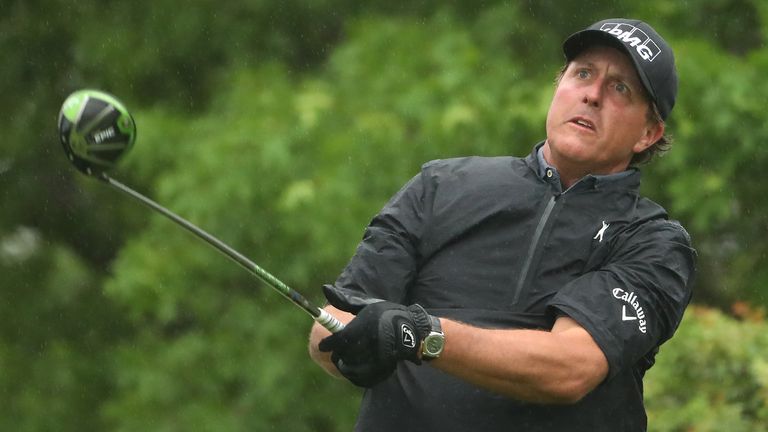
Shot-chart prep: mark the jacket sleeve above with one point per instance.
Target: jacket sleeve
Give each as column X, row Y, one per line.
column 385, row 262
column 634, row 302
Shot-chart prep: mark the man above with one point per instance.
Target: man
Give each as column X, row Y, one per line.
column 525, row 294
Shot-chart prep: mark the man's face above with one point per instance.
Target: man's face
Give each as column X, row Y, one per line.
column 598, row 116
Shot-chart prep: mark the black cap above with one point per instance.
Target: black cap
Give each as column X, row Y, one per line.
column 652, row 56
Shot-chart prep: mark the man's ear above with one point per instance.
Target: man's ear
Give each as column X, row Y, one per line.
column 652, row 133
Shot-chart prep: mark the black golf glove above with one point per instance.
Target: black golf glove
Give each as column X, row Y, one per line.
column 367, row 351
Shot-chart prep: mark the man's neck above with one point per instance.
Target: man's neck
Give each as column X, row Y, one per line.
column 571, row 173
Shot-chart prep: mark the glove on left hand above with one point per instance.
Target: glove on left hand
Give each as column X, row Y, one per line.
column 383, row 333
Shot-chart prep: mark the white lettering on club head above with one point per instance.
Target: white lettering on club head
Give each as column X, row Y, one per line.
column 100, row 136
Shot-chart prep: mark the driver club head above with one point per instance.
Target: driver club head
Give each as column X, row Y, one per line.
column 96, row 130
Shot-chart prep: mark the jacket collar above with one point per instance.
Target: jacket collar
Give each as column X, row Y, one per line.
column 629, row 179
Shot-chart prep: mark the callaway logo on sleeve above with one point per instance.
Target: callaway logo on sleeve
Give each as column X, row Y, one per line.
column 631, row 310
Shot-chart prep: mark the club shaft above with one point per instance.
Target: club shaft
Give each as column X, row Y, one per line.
column 321, row 316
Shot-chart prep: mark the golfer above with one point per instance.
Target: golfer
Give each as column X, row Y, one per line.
column 525, row 294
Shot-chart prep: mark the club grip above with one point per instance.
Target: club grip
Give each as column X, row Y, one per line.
column 329, row 321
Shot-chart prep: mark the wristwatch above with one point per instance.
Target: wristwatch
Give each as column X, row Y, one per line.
column 433, row 344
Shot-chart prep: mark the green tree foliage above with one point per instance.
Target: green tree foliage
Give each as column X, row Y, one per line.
column 282, row 127
column 712, row 377
column 53, row 338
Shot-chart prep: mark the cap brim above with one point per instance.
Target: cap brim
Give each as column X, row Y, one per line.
column 578, row 42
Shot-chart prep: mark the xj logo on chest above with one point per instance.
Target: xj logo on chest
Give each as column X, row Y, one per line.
column 601, row 233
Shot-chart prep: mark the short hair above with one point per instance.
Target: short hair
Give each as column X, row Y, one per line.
column 661, row 146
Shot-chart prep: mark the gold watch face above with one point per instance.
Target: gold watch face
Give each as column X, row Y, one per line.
column 433, row 345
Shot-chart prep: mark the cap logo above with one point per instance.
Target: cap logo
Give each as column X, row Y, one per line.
column 635, row 38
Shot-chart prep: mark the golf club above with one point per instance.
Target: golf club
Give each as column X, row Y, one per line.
column 96, row 130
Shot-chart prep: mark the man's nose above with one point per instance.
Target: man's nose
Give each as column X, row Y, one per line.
column 593, row 94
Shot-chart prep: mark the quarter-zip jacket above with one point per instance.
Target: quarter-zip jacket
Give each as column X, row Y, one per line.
column 488, row 242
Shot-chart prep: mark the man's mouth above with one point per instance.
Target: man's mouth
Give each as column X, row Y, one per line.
column 582, row 122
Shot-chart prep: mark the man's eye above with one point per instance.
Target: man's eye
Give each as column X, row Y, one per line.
column 622, row 88
column 583, row 74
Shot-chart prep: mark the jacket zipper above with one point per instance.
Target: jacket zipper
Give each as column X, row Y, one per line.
column 534, row 246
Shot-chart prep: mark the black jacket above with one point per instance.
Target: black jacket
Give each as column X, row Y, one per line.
column 489, row 242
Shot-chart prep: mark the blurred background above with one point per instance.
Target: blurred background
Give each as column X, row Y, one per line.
column 282, row 127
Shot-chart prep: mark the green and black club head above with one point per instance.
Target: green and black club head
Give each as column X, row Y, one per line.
column 96, row 130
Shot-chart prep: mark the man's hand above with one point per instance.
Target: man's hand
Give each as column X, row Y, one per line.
column 383, row 333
